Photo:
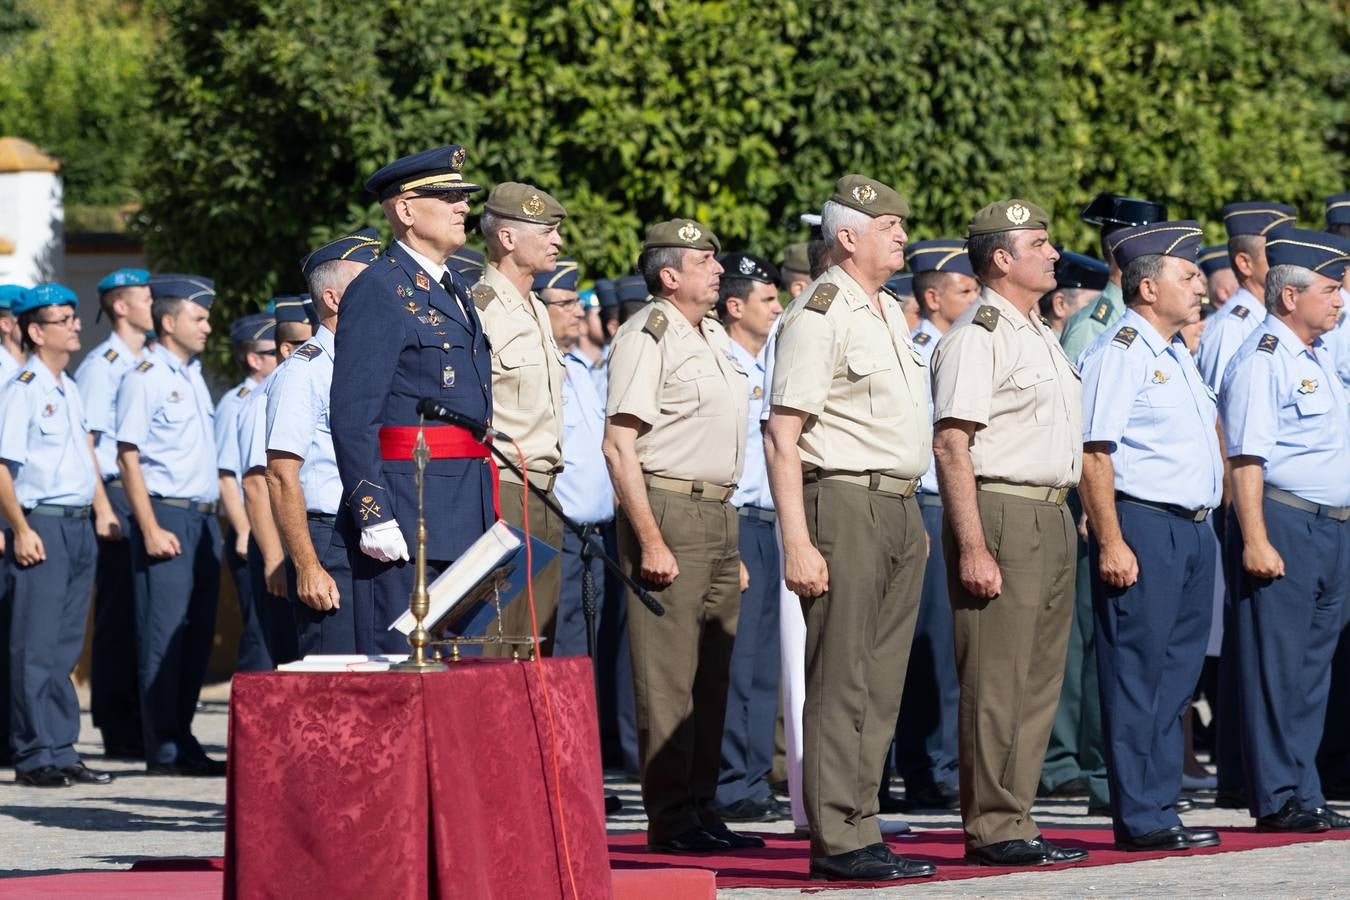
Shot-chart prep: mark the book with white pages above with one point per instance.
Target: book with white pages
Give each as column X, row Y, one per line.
column 343, row 662
column 462, row 597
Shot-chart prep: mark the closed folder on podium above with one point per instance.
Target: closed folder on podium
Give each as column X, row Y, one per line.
column 463, row 596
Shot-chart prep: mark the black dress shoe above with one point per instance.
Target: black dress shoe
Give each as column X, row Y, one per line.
column 1008, row 853
column 1184, row 805
column 909, row 868
column 779, row 787
column 1056, row 853
column 612, row 804
column 1074, row 787
column 1334, row 820
column 188, row 768
column 694, row 840
column 1202, row 837
column 1231, row 800
column 747, row 810
column 888, row 804
column 1160, row 841
column 937, row 796
column 1292, row 819
column 82, row 774
column 856, row 865
column 46, row 776
column 732, row 839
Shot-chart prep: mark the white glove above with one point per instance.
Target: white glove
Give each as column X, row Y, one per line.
column 384, row 542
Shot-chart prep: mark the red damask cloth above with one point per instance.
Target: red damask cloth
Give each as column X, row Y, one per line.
column 400, row 785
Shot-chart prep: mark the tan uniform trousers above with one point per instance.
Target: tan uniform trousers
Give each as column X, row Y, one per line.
column 681, row 661
column 1010, row 661
column 547, row 527
column 858, row 636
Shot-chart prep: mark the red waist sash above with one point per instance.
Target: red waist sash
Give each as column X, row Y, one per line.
column 445, row 442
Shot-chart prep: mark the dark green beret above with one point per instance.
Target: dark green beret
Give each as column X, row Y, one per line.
column 796, row 259
column 867, row 195
column 513, row 200
column 1008, row 215
column 683, row 233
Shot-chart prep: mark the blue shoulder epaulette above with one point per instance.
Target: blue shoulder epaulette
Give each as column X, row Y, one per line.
column 1268, row 342
column 1125, row 336
column 110, row 355
column 242, row 392
column 308, row 351
column 145, row 366
column 1243, row 312
column 922, row 338
column 26, row 376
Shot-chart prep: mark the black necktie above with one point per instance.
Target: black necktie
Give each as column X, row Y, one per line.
column 456, row 291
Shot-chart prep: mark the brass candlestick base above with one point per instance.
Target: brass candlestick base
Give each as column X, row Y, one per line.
column 419, row 603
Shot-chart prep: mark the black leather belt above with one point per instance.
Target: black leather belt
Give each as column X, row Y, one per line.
column 321, row 517
column 1194, row 515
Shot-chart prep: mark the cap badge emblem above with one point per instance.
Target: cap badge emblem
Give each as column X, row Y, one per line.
column 746, row 265
column 457, row 158
column 1018, row 214
column 533, row 206
column 689, row 232
column 864, row 194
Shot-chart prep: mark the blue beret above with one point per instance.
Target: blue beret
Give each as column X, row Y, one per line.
column 1114, row 211
column 1255, row 216
column 562, row 278
column 944, row 255
column 362, row 246
column 901, row 284
column 631, row 288
column 1326, row 254
column 1213, row 259
column 747, row 265
column 123, row 278
column 254, row 327
column 607, row 292
column 431, row 171
column 289, row 309
column 1078, row 270
column 588, row 298
column 50, row 294
column 196, row 288
column 10, row 294
column 1338, row 209
column 1181, row 239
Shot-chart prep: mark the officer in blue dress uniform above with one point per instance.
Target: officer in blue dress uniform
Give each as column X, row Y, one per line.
column 944, row 286
column 124, row 298
column 253, row 339
column 1151, row 476
column 409, row 331
column 48, row 486
column 10, row 358
column 1286, row 421
column 167, row 455
column 302, row 474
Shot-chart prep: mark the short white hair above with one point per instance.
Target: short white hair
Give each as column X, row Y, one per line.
column 834, row 216
column 1281, row 277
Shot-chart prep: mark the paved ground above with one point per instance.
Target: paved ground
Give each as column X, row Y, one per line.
column 137, row 817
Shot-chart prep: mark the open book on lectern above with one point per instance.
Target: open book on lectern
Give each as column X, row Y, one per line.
column 462, row 596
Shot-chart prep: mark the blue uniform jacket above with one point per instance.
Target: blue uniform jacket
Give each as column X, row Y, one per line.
column 400, row 338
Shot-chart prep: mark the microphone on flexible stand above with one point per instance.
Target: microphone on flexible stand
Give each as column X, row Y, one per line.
column 428, row 408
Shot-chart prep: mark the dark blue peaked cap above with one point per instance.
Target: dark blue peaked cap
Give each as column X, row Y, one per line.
column 1213, row 259
column 1108, row 210
column 1326, row 254
column 362, row 246
column 253, row 327
column 197, row 288
column 1078, row 270
column 943, row 255
column 562, row 278
column 431, row 171
column 747, row 265
column 1255, row 216
column 1180, row 239
column 1338, row 209
column 290, row 309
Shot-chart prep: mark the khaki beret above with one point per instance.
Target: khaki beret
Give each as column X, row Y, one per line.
column 867, row 195
column 1008, row 215
column 513, row 200
column 683, row 233
column 796, row 259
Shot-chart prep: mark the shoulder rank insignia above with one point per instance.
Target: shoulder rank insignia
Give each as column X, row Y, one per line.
column 309, row 351
column 1102, row 312
column 1268, row 342
column 1125, row 336
column 110, row 355
column 656, row 325
column 26, row 376
column 822, row 297
column 242, row 392
column 1243, row 312
column 145, row 366
column 422, row 281
column 987, row 317
column 482, row 295
column 922, row 338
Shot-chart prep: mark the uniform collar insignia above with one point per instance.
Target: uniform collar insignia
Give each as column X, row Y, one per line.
column 422, row 281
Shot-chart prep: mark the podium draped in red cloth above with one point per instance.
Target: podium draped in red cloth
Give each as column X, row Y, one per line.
column 403, row 785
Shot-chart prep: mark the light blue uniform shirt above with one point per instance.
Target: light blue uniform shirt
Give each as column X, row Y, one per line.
column 251, row 431
column 164, row 409
column 297, row 420
column 925, row 340
column 1224, row 333
column 99, row 376
column 753, row 488
column 9, row 366
column 1285, row 405
column 583, row 487
column 227, row 425
column 44, row 440
column 1338, row 341
column 1145, row 398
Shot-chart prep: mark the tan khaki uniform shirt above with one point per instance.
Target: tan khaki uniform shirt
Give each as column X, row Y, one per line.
column 859, row 378
column 527, row 369
column 683, row 383
column 1017, row 385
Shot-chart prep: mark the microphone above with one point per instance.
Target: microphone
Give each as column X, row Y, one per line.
column 430, row 409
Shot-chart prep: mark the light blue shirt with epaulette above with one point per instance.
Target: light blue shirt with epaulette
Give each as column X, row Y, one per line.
column 1283, row 403
column 1143, row 395
column 99, row 376
column 9, row 366
column 44, row 440
column 251, row 432
column 165, row 410
column 297, row 420
column 1225, row 332
column 753, row 487
column 227, row 425
column 583, row 487
column 1089, row 323
column 925, row 340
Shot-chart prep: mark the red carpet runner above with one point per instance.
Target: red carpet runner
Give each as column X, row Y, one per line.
column 783, row 863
